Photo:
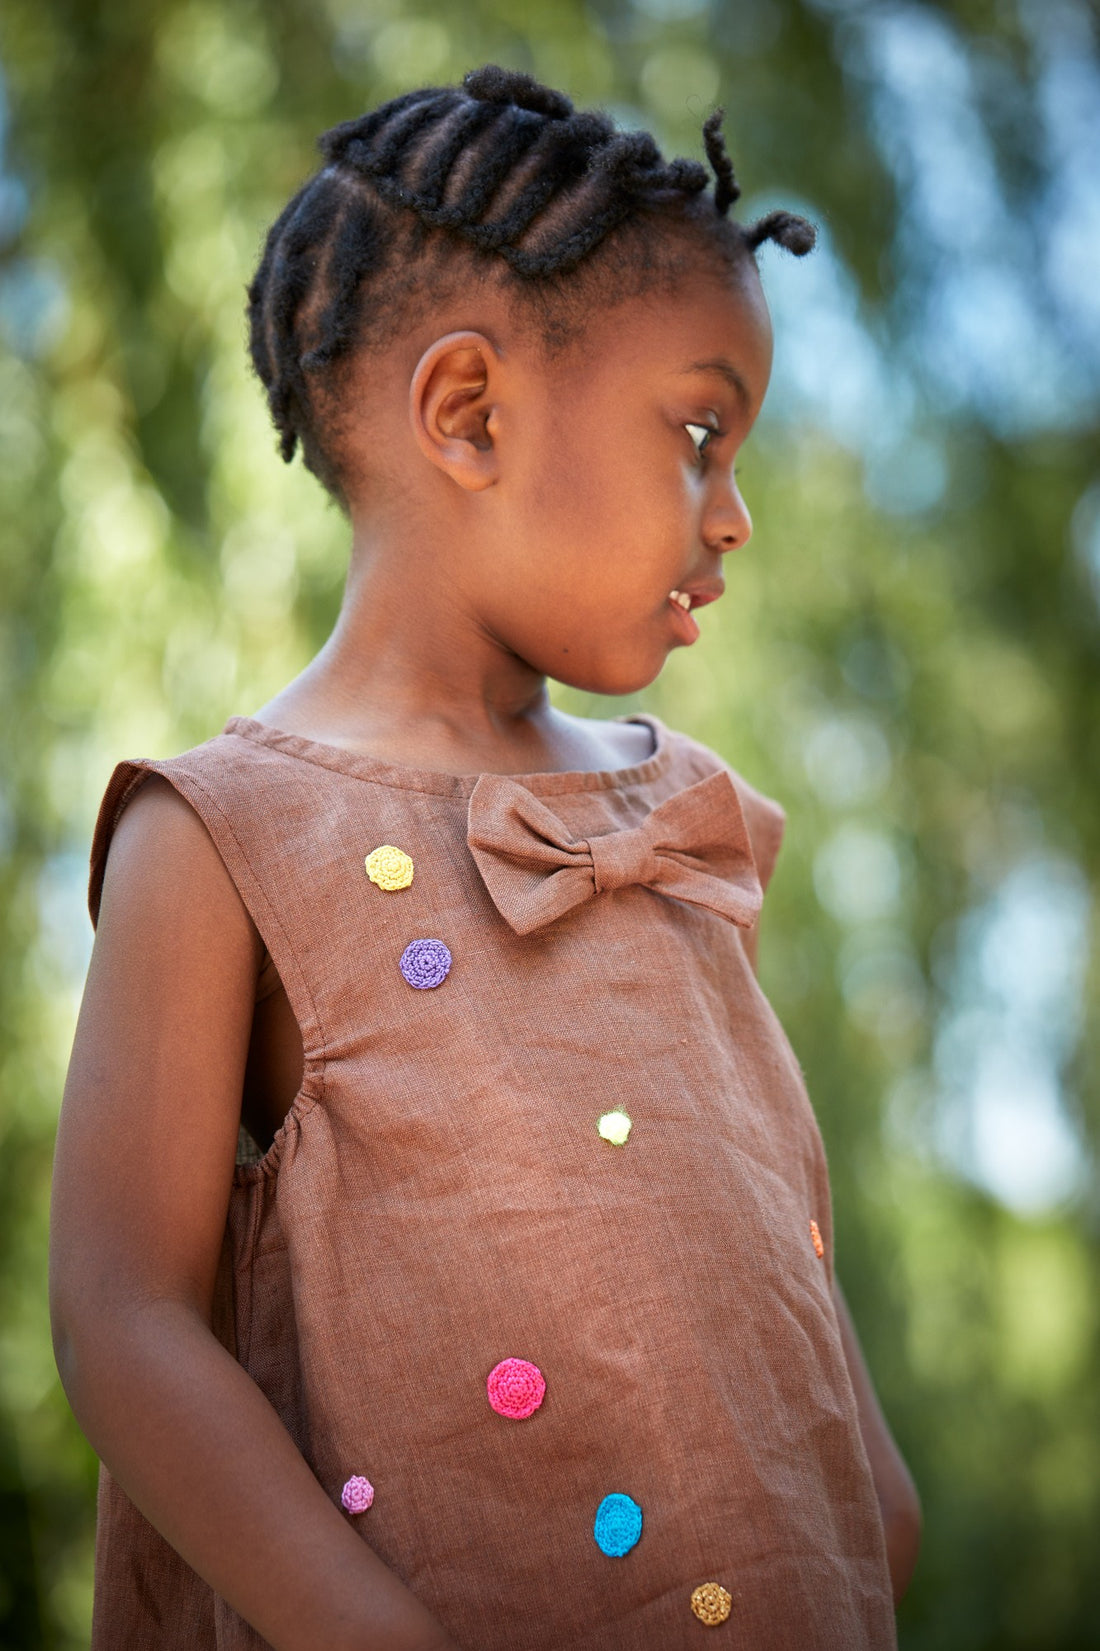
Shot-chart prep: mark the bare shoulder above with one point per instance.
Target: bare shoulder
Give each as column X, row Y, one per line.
column 151, row 1109
column 176, row 953
column 163, row 869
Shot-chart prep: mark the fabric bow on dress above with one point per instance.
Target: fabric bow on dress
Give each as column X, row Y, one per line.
column 694, row 846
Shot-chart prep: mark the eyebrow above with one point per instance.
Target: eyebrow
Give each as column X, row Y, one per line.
column 725, row 369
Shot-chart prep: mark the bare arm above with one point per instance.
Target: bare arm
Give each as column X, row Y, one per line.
column 142, row 1177
column 897, row 1494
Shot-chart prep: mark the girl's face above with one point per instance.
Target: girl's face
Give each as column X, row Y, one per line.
column 617, row 484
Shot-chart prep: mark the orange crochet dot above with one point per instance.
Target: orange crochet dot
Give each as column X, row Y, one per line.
column 815, row 1234
column 711, row 1603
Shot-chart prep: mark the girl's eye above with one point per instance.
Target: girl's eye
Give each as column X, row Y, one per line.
column 706, row 431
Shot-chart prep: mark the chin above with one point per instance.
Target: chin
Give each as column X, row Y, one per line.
column 611, row 681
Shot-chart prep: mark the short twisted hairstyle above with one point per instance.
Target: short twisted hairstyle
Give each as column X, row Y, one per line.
column 501, row 176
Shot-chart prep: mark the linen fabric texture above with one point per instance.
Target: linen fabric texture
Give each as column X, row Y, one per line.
column 439, row 1200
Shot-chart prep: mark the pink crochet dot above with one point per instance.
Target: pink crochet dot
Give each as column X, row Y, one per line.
column 516, row 1388
column 358, row 1494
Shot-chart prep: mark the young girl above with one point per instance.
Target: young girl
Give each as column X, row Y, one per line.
column 518, row 1327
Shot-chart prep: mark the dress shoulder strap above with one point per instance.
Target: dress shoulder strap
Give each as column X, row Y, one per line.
column 234, row 787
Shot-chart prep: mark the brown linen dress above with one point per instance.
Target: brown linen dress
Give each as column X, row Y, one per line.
column 440, row 1199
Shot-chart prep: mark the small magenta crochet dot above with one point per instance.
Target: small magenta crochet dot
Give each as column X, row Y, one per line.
column 425, row 963
column 358, row 1494
column 516, row 1388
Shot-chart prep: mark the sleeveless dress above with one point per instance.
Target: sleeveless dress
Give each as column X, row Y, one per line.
column 543, row 1249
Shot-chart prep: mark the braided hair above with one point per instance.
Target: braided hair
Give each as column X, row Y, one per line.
column 501, row 176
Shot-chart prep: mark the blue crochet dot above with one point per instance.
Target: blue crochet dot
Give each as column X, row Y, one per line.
column 618, row 1524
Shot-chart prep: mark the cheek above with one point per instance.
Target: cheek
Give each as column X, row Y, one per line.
column 597, row 508
column 619, row 486
column 570, row 494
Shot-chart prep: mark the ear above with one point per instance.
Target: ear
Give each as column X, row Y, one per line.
column 452, row 408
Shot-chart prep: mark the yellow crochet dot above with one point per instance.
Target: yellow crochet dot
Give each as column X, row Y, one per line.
column 711, row 1603
column 615, row 1127
column 389, row 867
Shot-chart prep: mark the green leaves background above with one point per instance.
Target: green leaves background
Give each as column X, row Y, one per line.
column 906, row 656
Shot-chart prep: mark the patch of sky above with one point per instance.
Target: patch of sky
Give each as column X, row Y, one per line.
column 1069, row 104
column 987, row 344
column 927, row 127
column 1015, row 1003
column 14, row 205
column 63, row 944
column 827, row 363
column 33, row 306
column 979, row 309
column 830, row 367
column 906, row 477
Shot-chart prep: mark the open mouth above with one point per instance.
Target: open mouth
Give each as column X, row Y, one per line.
column 682, row 602
column 692, row 599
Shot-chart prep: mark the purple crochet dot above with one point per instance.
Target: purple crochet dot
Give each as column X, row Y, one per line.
column 425, row 963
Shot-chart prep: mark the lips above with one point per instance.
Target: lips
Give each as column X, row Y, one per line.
column 698, row 593
column 694, row 595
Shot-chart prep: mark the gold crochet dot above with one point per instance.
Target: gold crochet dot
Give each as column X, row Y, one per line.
column 615, row 1127
column 711, row 1603
column 389, row 867
column 815, row 1239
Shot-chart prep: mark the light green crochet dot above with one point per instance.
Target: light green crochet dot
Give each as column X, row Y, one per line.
column 615, row 1127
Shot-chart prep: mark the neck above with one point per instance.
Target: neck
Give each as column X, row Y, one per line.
column 409, row 666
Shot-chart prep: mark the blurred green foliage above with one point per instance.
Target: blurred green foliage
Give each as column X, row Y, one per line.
column 906, row 656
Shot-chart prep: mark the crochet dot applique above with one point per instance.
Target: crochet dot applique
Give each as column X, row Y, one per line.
column 358, row 1494
column 425, row 963
column 711, row 1603
column 516, row 1388
column 389, row 867
column 615, row 1127
column 815, row 1234
column 618, row 1525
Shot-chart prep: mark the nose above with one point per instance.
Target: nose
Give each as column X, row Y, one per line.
column 727, row 525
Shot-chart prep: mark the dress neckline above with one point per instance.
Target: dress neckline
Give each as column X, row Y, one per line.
column 359, row 765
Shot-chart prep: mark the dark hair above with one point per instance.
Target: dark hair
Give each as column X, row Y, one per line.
column 501, row 171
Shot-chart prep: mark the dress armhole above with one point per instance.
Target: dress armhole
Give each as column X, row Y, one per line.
column 279, row 953
column 766, row 822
